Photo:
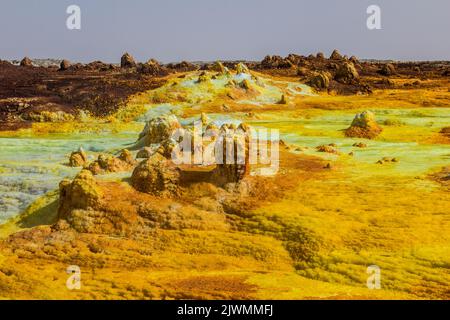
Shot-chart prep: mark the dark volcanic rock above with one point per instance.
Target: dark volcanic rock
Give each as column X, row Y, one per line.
column 320, row 55
column 127, row 61
column 97, row 66
column 346, row 73
column 387, row 69
column 336, row 55
column 182, row 66
column 152, row 67
column 276, row 62
column 65, row 64
column 320, row 80
column 26, row 62
column 295, row 59
column 354, row 60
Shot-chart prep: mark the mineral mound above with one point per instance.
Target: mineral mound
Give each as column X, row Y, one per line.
column 158, row 130
column 78, row 158
column 364, row 125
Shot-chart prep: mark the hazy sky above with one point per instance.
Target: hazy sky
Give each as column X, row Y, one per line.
column 174, row 30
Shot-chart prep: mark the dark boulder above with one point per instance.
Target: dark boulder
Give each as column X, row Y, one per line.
column 127, row 61
column 65, row 64
column 26, row 62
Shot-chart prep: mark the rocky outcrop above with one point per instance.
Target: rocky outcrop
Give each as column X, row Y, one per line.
column 158, row 130
column 354, row 60
column 78, row 158
column 152, row 67
column 81, row 193
column 295, row 59
column 346, row 73
column 234, row 170
column 336, row 55
column 108, row 163
column 364, row 125
column 166, row 147
column 145, row 153
column 387, row 69
column 220, row 68
column 157, row 176
column 127, row 61
column 65, row 65
column 283, row 99
column 26, row 62
column 320, row 55
column 88, row 206
column 242, row 68
column 246, row 84
column 203, row 77
column 126, row 156
column 275, row 62
column 98, row 66
column 320, row 80
column 183, row 66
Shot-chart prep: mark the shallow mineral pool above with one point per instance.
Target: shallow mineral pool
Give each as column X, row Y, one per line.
column 30, row 167
column 415, row 158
